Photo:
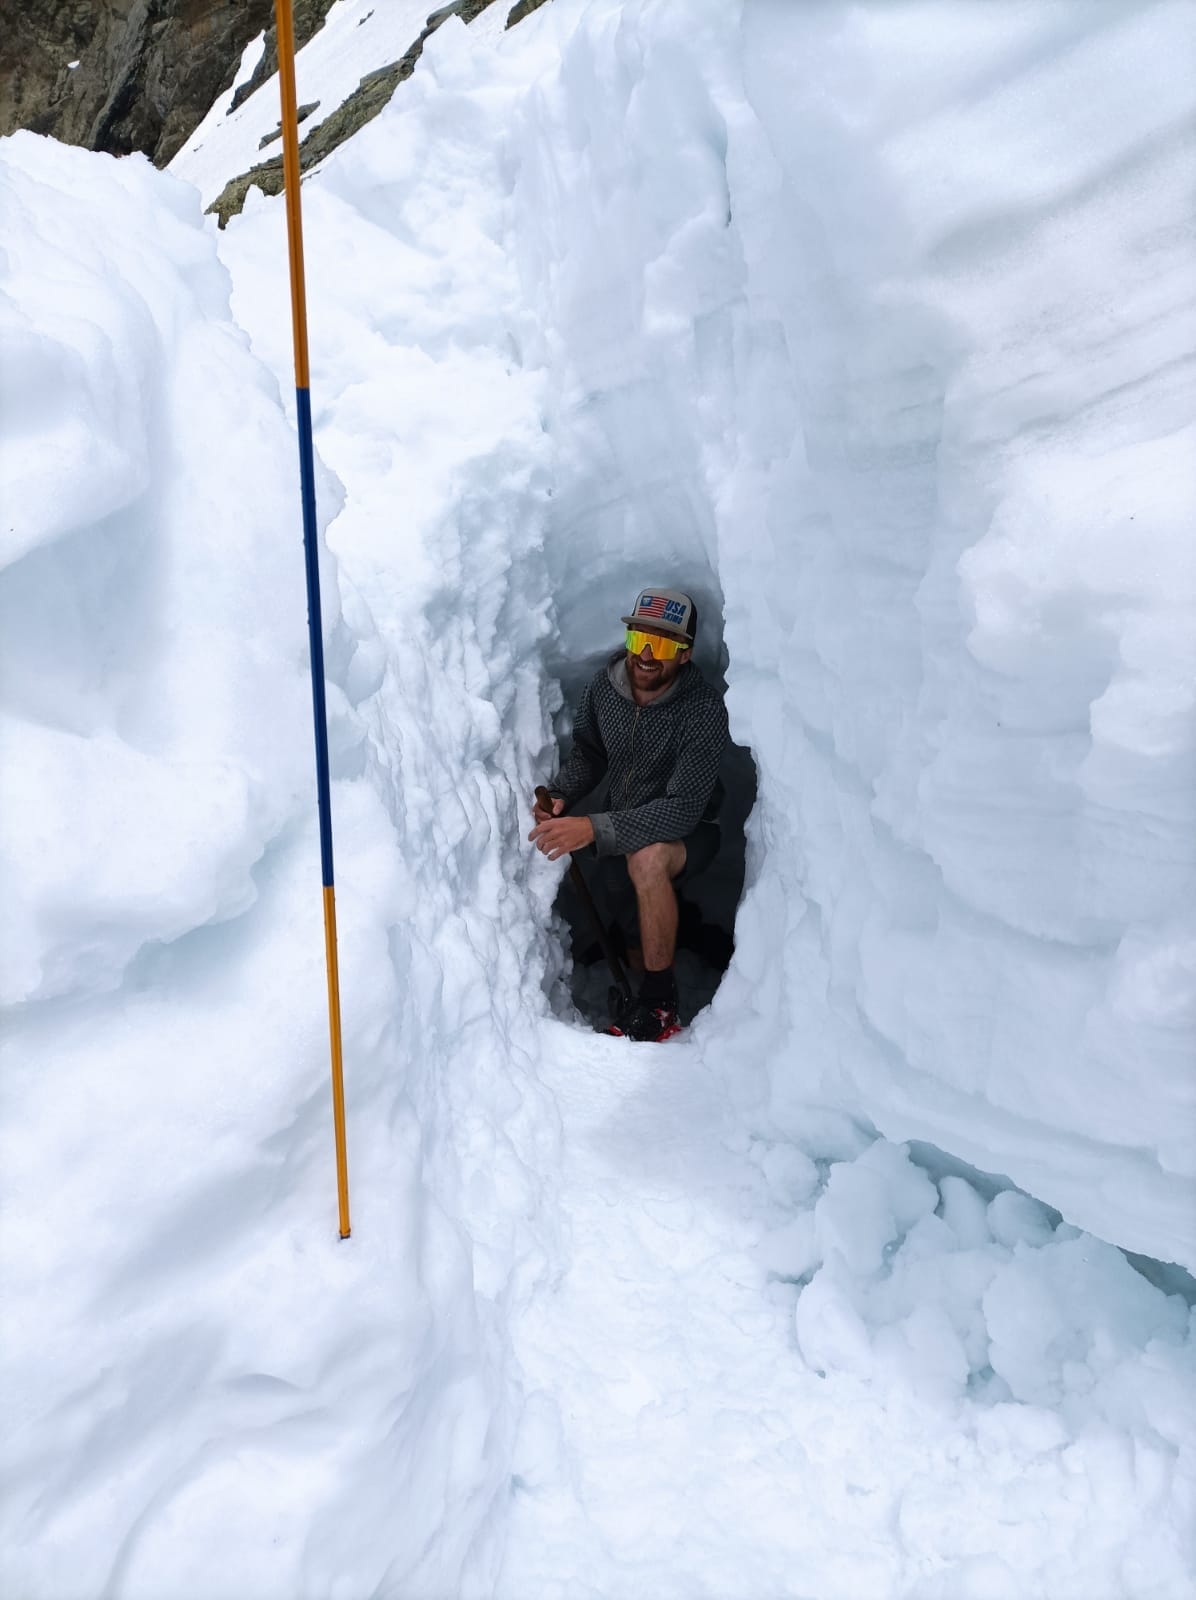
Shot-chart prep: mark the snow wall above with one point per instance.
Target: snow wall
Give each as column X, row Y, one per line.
column 204, row 1393
column 889, row 358
column 865, row 321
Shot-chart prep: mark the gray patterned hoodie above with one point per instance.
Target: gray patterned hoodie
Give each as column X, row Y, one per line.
column 662, row 759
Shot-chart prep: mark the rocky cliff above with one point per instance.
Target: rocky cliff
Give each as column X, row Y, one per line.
column 125, row 75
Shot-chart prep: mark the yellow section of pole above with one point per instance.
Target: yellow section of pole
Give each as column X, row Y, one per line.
column 338, row 1081
column 285, row 29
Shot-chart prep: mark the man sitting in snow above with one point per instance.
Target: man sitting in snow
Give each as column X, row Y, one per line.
column 651, row 723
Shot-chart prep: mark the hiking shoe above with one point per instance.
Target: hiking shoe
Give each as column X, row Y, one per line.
column 645, row 1020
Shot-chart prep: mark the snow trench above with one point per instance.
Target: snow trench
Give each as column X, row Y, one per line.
column 873, row 329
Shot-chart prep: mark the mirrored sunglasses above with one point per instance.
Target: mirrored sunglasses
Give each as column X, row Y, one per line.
column 662, row 649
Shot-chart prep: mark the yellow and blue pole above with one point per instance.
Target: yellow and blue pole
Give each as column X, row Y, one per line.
column 285, row 28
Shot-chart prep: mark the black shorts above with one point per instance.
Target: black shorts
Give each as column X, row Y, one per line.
column 611, row 882
column 700, row 850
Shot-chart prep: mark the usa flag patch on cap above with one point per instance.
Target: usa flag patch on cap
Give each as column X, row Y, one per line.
column 665, row 608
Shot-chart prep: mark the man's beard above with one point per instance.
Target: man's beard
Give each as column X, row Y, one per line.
column 657, row 676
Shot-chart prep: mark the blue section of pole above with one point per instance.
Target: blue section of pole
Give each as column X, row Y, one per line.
column 315, row 627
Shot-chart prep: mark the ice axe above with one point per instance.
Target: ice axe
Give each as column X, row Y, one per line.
column 544, row 800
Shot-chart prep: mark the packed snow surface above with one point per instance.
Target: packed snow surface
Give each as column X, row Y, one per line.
column 871, row 325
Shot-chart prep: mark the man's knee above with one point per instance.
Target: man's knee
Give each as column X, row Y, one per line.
column 656, row 863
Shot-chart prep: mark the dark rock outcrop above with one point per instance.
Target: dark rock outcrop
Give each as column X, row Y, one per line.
column 523, row 8
column 148, row 70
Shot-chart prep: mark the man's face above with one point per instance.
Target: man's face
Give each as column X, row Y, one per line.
column 648, row 673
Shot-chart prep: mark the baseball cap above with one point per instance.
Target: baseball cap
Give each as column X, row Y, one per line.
column 667, row 610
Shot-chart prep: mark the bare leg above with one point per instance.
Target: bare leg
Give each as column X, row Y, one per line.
column 652, row 872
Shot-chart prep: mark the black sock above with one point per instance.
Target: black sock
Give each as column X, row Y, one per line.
column 660, row 987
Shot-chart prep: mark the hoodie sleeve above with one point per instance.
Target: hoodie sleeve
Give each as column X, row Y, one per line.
column 587, row 759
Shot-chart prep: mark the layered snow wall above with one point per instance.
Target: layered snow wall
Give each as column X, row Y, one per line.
column 203, row 1391
column 877, row 324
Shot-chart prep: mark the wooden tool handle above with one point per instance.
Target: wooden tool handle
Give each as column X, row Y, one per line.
column 544, row 799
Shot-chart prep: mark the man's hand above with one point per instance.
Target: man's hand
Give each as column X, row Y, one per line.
column 559, row 836
column 542, row 812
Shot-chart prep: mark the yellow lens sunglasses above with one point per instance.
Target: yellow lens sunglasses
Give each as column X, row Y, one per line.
column 662, row 649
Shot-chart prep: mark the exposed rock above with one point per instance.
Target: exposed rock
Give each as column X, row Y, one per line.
column 148, row 69
column 523, row 8
column 301, row 115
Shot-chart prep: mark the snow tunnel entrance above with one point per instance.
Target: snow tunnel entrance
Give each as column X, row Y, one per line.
column 707, row 902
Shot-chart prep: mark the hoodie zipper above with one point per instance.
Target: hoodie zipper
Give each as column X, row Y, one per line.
column 635, row 722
